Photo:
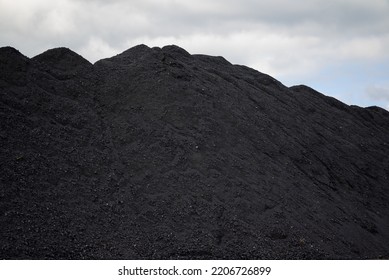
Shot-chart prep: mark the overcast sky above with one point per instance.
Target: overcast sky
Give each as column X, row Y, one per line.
column 338, row 47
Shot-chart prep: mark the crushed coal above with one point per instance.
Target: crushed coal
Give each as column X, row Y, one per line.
column 159, row 154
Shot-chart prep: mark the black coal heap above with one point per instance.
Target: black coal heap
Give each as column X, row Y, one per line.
column 159, row 154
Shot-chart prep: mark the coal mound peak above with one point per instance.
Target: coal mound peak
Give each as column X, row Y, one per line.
column 134, row 52
column 175, row 50
column 13, row 66
column 12, row 58
column 160, row 154
column 145, row 53
column 62, row 58
column 10, row 52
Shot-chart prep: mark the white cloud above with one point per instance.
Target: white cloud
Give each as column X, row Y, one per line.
column 378, row 92
column 97, row 49
column 59, row 19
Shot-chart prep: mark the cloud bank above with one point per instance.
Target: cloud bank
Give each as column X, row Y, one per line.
column 309, row 42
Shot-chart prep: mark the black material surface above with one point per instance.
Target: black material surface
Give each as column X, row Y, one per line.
column 159, row 154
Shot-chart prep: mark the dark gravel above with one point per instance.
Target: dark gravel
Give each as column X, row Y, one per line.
column 159, row 154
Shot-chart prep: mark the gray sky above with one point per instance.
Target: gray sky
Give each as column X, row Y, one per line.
column 338, row 47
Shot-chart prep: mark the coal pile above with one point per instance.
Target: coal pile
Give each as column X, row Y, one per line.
column 159, row 154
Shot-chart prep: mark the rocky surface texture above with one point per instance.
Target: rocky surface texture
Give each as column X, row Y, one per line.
column 159, row 154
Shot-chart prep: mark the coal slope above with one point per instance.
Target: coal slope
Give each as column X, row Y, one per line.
column 159, row 154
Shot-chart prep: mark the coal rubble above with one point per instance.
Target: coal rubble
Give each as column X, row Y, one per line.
column 159, row 154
